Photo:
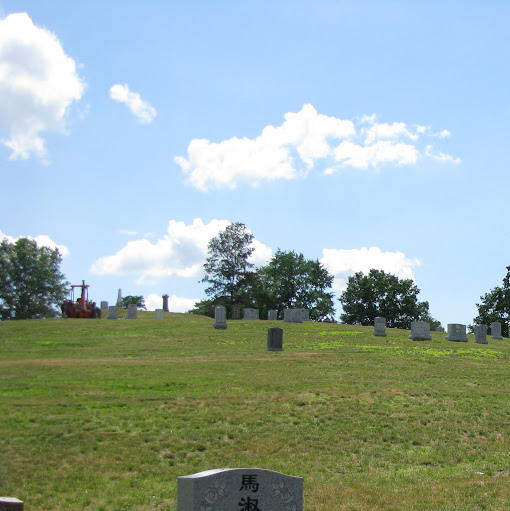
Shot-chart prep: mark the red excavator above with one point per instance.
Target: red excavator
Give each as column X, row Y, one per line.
column 82, row 307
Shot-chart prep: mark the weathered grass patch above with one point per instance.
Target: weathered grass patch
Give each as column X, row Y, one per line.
column 106, row 414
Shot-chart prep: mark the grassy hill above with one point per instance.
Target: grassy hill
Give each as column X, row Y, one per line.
column 104, row 415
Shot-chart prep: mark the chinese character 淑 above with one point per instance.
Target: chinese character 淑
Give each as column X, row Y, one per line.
column 249, row 504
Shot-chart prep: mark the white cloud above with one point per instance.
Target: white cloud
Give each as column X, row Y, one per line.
column 42, row 240
column 175, row 303
column 293, row 149
column 38, row 83
column 180, row 253
column 344, row 263
column 143, row 111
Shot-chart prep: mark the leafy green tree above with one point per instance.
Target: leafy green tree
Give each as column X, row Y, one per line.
column 495, row 306
column 139, row 301
column 382, row 294
column 227, row 269
column 291, row 281
column 31, row 284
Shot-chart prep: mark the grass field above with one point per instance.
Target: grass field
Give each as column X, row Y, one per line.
column 104, row 415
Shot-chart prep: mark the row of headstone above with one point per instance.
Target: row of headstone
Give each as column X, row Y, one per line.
column 113, row 312
column 420, row 331
column 243, row 489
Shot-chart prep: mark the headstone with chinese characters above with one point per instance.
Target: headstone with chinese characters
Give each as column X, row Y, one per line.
column 104, row 305
column 250, row 314
column 165, row 303
column 292, row 316
column 420, row 331
column 113, row 312
column 481, row 334
column 380, row 326
column 131, row 311
column 10, row 504
column 159, row 314
column 239, row 489
column 272, row 315
column 456, row 333
column 220, row 317
column 274, row 339
column 119, row 298
column 496, row 330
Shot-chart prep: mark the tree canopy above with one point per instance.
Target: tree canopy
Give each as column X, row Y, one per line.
column 382, row 294
column 227, row 269
column 31, row 284
column 139, row 301
column 495, row 306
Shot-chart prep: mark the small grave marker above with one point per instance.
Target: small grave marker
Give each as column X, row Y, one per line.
column 239, row 489
column 274, row 339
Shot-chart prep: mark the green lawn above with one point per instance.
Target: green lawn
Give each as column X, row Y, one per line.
column 104, row 415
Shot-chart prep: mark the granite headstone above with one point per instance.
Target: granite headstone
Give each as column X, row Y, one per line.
column 456, row 333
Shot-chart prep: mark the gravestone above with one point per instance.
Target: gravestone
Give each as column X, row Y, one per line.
column 496, row 330
column 305, row 314
column 456, row 333
column 165, row 303
column 131, row 311
column 104, row 306
column 272, row 315
column 420, row 331
column 250, row 314
column 10, row 504
column 292, row 316
column 241, row 489
column 220, row 317
column 481, row 334
column 119, row 298
column 113, row 312
column 159, row 314
column 439, row 329
column 380, row 326
column 274, row 339
column 236, row 312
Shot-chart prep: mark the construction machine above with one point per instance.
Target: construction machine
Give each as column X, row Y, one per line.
column 82, row 307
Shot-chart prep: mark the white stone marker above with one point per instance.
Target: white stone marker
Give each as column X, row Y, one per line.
column 481, row 334
column 220, row 317
column 239, row 489
column 292, row 316
column 159, row 314
column 250, row 314
column 456, row 333
column 10, row 504
column 272, row 315
column 131, row 311
column 113, row 312
column 496, row 330
column 274, row 339
column 420, row 331
column 380, row 326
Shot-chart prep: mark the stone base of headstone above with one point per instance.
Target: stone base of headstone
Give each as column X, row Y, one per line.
column 248, row 489
column 272, row 315
column 420, row 331
column 481, row 334
column 456, row 333
column 113, row 312
column 10, row 504
column 274, row 339
column 159, row 314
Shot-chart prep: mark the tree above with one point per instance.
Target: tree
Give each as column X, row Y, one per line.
column 31, row 284
column 382, row 294
column 133, row 300
column 291, row 281
column 495, row 306
column 227, row 268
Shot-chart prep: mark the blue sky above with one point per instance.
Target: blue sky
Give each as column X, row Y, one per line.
column 363, row 134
